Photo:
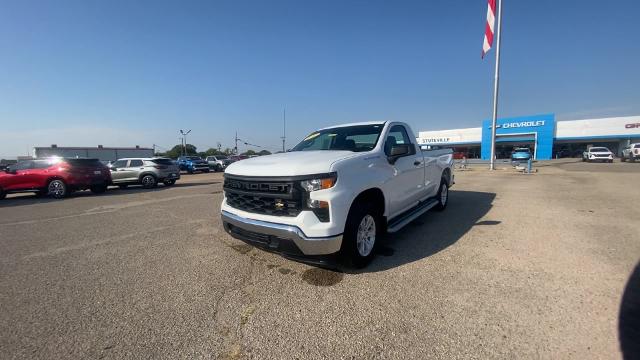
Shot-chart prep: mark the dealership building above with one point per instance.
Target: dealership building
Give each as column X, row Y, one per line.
column 546, row 137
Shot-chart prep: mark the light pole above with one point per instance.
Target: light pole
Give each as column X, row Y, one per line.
column 184, row 141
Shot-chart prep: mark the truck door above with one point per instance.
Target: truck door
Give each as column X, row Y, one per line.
column 406, row 186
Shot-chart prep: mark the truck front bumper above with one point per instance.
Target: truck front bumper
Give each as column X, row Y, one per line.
column 281, row 238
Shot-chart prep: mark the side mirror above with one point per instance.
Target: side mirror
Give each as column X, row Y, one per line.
column 398, row 151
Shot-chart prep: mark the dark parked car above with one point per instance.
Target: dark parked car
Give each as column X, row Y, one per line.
column 55, row 177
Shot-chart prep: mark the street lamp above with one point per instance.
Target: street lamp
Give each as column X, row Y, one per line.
column 184, row 141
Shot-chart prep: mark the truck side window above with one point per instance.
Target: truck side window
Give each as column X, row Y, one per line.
column 397, row 136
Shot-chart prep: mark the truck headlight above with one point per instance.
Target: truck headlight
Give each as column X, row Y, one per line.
column 318, row 184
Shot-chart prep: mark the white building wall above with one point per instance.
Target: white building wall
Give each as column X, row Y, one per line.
column 613, row 127
column 455, row 136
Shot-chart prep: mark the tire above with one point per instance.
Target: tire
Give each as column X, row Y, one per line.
column 623, row 159
column 583, row 159
column 632, row 158
column 169, row 182
column 98, row 189
column 148, row 181
column 361, row 235
column 3, row 194
column 123, row 186
column 443, row 195
column 206, row 171
column 218, row 168
column 190, row 171
column 57, row 189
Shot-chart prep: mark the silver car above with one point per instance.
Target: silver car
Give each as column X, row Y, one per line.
column 147, row 172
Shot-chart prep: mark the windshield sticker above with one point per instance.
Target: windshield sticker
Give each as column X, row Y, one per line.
column 312, row 136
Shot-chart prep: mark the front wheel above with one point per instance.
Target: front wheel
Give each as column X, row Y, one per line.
column 57, row 189
column 148, row 181
column 361, row 232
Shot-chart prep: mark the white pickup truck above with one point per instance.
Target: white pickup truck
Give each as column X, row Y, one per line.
column 336, row 192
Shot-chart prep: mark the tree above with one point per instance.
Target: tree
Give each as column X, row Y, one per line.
column 213, row 152
column 176, row 151
column 249, row 153
column 264, row 152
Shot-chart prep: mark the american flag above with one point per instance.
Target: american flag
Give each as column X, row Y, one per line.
column 488, row 30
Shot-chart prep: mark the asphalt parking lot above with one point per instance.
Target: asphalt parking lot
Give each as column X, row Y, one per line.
column 518, row 266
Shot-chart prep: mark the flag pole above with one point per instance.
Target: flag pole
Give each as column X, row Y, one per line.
column 494, row 119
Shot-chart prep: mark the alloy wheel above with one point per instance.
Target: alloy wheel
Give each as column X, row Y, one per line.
column 366, row 236
column 57, row 188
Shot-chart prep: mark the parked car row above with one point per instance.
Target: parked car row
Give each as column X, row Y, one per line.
column 58, row 177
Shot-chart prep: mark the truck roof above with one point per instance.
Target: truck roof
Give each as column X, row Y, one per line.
column 355, row 124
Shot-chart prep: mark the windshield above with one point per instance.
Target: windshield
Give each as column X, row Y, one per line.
column 599, row 149
column 522, row 150
column 84, row 162
column 355, row 138
column 162, row 161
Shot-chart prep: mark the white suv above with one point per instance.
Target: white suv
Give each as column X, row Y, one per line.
column 631, row 152
column 597, row 153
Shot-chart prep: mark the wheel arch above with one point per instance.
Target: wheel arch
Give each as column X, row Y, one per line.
column 446, row 174
column 147, row 173
column 374, row 195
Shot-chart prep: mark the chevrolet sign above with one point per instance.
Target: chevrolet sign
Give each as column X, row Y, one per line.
column 522, row 124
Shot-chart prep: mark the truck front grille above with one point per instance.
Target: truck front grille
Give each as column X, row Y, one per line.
column 263, row 204
column 263, row 197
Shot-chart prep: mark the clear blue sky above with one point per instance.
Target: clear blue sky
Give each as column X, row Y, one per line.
column 134, row 72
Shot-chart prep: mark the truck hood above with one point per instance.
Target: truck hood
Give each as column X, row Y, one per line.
column 293, row 163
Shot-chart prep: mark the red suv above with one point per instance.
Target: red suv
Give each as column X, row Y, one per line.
column 55, row 177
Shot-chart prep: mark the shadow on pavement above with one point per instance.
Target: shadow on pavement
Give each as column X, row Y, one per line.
column 434, row 231
column 629, row 317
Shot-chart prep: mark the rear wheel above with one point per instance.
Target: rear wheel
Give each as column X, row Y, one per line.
column 148, row 181
column 3, row 194
column 623, row 159
column 361, row 232
column 169, row 182
column 443, row 195
column 57, row 189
